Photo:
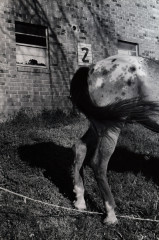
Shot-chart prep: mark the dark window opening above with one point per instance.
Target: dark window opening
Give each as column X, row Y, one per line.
column 31, row 44
column 127, row 48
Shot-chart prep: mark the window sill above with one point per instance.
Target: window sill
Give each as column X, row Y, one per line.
column 32, row 68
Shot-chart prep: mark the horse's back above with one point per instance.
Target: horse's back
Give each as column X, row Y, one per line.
column 123, row 77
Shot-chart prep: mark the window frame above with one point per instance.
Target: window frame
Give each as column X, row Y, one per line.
column 33, row 45
column 132, row 44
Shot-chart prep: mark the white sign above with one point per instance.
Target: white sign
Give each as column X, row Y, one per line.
column 84, row 54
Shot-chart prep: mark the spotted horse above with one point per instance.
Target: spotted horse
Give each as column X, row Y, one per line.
column 112, row 92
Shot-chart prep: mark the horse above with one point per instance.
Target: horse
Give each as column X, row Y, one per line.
column 110, row 93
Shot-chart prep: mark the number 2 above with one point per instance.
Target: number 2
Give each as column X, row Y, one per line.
column 85, row 55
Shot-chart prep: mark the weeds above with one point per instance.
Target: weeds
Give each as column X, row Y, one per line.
column 36, row 159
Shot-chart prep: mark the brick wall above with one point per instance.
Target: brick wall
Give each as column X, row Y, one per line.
column 97, row 22
column 137, row 21
column 7, row 52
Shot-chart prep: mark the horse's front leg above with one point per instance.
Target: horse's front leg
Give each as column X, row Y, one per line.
column 104, row 150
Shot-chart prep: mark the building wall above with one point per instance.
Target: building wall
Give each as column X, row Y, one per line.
column 7, row 53
column 97, row 22
column 137, row 21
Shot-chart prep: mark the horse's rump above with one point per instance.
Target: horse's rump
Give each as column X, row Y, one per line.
column 130, row 110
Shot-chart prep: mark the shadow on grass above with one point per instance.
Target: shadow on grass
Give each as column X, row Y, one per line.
column 124, row 160
column 55, row 160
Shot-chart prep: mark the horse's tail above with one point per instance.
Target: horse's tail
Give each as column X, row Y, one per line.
column 129, row 110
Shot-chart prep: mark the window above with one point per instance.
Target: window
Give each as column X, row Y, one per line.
column 127, row 48
column 31, row 44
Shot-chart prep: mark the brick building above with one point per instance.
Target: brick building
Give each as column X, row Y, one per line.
column 43, row 42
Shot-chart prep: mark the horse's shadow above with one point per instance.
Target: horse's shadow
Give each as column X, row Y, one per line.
column 124, row 160
column 57, row 162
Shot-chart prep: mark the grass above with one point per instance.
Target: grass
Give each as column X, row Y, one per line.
column 36, row 159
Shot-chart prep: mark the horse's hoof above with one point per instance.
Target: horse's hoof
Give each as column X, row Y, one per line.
column 80, row 205
column 111, row 220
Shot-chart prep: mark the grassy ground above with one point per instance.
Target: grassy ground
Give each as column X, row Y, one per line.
column 35, row 160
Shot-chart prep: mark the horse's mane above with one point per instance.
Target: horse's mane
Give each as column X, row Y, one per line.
column 130, row 110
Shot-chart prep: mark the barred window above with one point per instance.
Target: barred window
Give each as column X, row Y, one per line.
column 31, row 44
column 127, row 48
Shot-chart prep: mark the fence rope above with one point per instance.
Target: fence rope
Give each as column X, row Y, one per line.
column 75, row 210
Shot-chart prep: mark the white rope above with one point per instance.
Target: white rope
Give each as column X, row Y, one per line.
column 47, row 204
column 139, row 219
column 71, row 209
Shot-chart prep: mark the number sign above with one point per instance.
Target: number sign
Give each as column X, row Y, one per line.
column 84, row 54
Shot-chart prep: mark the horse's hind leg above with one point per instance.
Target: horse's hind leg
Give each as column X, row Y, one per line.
column 80, row 150
column 104, row 150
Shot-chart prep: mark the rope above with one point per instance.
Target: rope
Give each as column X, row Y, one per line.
column 75, row 210
column 47, row 204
